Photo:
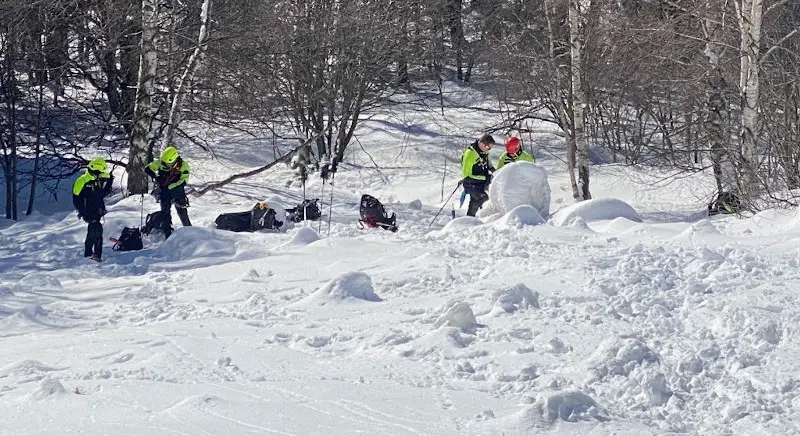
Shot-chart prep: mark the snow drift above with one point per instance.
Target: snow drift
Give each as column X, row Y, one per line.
column 197, row 242
column 520, row 183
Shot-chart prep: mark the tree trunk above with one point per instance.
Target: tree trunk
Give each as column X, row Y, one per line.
column 717, row 107
column 188, row 74
column 140, row 149
column 579, row 97
column 37, row 152
column 750, row 19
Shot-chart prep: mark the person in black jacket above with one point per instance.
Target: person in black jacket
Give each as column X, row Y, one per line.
column 88, row 193
column 171, row 173
column 476, row 170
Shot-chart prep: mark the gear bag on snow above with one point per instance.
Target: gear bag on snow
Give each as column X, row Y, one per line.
column 374, row 215
column 234, row 222
column 311, row 209
column 155, row 221
column 724, row 203
column 263, row 217
column 130, row 239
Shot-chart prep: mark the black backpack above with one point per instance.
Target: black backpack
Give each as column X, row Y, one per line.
column 263, row 217
column 155, row 221
column 234, row 222
column 374, row 215
column 311, row 209
column 129, row 240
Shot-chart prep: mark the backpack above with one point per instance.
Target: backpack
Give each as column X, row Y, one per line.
column 263, row 217
column 130, row 239
column 311, row 209
column 373, row 214
column 155, row 221
column 724, row 202
column 234, row 222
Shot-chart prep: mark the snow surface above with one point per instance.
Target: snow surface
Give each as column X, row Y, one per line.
column 596, row 209
column 505, row 325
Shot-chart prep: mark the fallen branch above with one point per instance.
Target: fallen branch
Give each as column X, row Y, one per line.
column 285, row 158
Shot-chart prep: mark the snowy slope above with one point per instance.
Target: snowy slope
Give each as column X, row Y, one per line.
column 674, row 324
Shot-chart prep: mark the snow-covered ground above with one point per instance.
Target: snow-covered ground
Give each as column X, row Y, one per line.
column 604, row 320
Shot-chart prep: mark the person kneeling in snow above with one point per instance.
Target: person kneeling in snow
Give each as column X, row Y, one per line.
column 87, row 197
column 514, row 153
column 477, row 172
column 170, row 174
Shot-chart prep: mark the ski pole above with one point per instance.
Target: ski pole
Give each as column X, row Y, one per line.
column 445, row 203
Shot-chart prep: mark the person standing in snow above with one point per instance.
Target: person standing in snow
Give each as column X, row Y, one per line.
column 476, row 170
column 88, row 193
column 514, row 153
column 170, row 174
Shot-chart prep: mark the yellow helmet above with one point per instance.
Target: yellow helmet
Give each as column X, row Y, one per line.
column 170, row 155
column 97, row 164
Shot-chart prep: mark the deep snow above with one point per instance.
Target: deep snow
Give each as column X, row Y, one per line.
column 605, row 319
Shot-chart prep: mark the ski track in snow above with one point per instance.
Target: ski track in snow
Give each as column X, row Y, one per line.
column 671, row 325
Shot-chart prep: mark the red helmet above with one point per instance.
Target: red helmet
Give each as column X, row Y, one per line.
column 512, row 145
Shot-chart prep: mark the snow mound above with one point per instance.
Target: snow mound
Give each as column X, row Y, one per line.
column 619, row 356
column 197, row 242
column 27, row 370
column 459, row 315
column 522, row 215
column 517, row 184
column 514, row 298
column 38, row 282
column 596, row 210
column 303, row 236
column 48, row 388
column 348, row 287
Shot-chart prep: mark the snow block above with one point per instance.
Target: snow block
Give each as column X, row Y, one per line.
column 458, row 315
column 519, row 183
column 348, row 287
column 48, row 388
column 570, row 406
column 597, row 209
column 514, row 298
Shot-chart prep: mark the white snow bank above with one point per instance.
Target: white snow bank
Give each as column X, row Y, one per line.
column 348, row 287
column 511, row 299
column 280, row 207
column 517, row 184
column 596, row 210
column 195, row 242
column 522, row 215
column 457, row 314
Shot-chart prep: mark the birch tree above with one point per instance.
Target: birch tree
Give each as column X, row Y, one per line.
column 192, row 66
column 750, row 14
column 580, row 100
column 144, row 112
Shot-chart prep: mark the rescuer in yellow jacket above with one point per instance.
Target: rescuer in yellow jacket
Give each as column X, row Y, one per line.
column 476, row 170
column 514, row 153
column 88, row 193
column 170, row 174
